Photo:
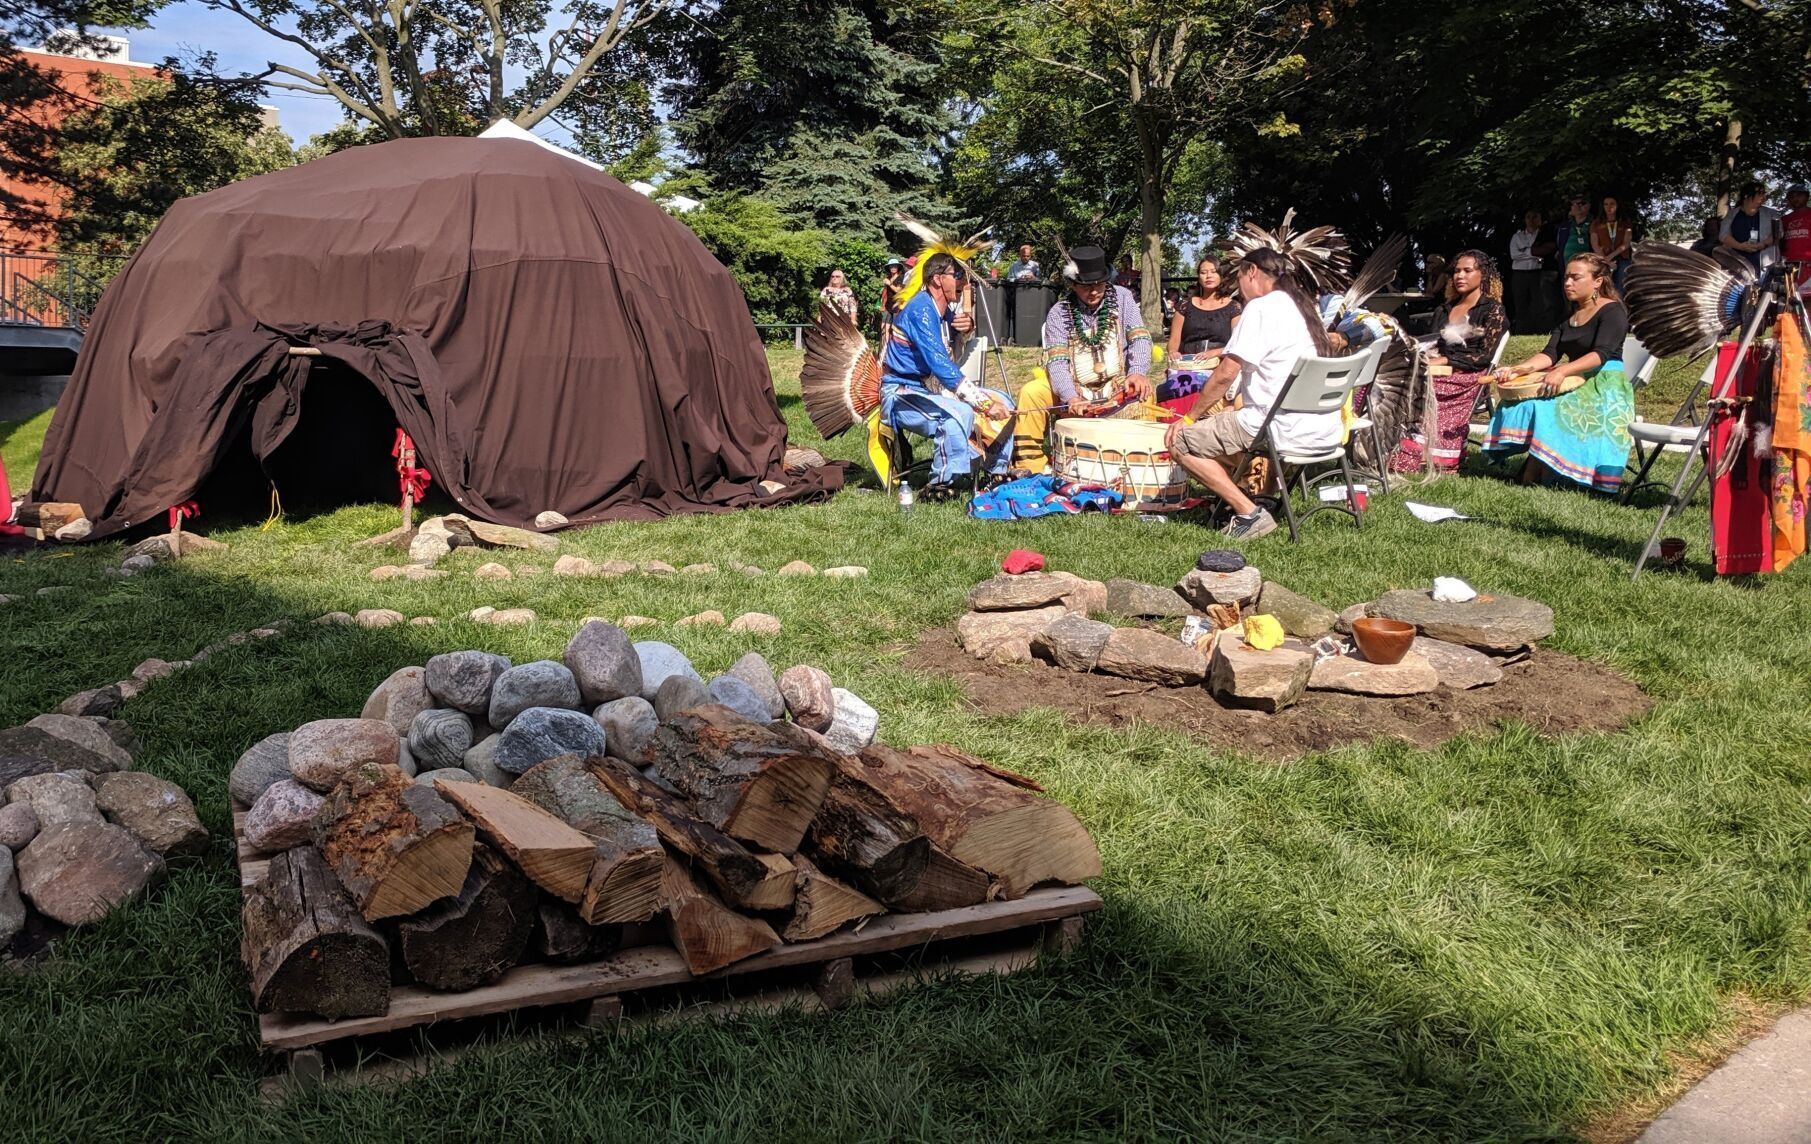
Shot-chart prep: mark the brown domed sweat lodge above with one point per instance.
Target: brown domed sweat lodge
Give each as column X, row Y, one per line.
column 549, row 338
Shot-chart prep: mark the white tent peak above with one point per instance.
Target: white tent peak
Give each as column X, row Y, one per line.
column 504, row 129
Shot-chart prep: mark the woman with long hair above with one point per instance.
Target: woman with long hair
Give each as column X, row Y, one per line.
column 1580, row 432
column 1198, row 332
column 1469, row 326
column 838, row 293
column 1614, row 237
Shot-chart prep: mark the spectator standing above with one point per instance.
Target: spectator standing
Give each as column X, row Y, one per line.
column 1026, row 268
column 1526, row 252
column 1570, row 239
column 837, row 293
column 1127, row 276
column 1435, row 277
column 1795, row 227
column 1613, row 237
column 1753, row 228
column 1710, row 236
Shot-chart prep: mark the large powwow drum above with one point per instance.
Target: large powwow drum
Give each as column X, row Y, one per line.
column 1124, row 455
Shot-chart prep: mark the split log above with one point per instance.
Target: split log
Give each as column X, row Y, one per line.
column 750, row 781
column 48, row 515
column 624, row 881
column 748, row 880
column 564, row 938
column 983, row 819
column 306, row 945
column 555, row 857
column 860, row 836
column 824, row 904
column 475, row 938
column 708, row 934
column 395, row 846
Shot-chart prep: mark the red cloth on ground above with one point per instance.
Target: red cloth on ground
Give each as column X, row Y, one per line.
column 1021, row 560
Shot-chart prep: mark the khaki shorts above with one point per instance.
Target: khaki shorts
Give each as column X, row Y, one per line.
column 1217, row 437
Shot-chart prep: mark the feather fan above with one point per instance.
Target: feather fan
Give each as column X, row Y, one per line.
column 1376, row 272
column 1682, row 302
column 1320, row 256
column 840, row 380
column 1393, row 405
column 962, row 250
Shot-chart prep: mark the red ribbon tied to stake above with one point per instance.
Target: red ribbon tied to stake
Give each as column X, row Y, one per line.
column 413, row 480
column 186, row 508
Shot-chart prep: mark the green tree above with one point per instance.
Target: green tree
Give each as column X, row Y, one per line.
column 776, row 262
column 830, row 109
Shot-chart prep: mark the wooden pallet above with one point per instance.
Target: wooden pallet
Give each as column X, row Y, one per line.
column 651, row 982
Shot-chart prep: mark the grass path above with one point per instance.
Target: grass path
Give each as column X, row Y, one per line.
column 1503, row 938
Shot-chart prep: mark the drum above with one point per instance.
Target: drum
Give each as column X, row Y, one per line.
column 1127, row 456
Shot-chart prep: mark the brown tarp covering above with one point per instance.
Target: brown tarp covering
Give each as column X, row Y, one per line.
column 550, row 339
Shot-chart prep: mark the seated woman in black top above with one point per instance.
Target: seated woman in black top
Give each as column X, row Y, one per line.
column 1469, row 326
column 1581, row 434
column 1198, row 332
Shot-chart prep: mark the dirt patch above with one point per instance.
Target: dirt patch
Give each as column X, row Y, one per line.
column 1553, row 693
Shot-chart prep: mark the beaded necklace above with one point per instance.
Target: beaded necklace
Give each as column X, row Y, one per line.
column 1103, row 320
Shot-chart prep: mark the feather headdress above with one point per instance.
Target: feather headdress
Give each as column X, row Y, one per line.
column 962, row 250
column 1320, row 256
column 1680, row 301
column 840, row 380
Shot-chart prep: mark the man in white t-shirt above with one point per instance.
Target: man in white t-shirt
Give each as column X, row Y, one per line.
column 1273, row 333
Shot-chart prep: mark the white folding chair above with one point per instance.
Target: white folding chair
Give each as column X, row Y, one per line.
column 1638, row 365
column 1361, row 421
column 1315, row 385
column 1484, row 405
column 1652, row 438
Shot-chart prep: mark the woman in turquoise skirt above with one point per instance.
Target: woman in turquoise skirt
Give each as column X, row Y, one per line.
column 1581, row 434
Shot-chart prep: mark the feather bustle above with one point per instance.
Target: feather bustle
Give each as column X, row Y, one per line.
column 840, row 379
column 1682, row 302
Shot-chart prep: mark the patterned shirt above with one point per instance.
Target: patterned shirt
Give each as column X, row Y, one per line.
column 1131, row 354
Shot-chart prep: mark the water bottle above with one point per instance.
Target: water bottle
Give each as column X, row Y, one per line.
column 905, row 497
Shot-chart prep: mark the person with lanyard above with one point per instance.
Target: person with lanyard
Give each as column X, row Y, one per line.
column 1097, row 353
column 1580, row 433
column 1614, row 238
column 1753, row 228
column 922, row 389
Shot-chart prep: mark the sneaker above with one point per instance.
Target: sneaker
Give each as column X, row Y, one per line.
column 1259, row 523
column 938, row 491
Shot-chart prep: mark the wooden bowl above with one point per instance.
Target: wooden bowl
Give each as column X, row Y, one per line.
column 1383, row 641
column 1523, row 390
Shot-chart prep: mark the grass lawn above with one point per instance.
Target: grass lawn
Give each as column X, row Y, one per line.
column 1508, row 937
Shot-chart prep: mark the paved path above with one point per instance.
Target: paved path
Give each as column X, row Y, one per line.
column 1762, row 1095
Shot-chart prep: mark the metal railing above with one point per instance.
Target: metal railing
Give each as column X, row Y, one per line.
column 46, row 288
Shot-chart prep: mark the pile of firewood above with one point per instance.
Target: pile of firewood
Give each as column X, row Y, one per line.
column 733, row 834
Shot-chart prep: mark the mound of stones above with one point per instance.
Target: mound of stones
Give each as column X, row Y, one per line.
column 1062, row 619
column 479, row 813
column 81, row 832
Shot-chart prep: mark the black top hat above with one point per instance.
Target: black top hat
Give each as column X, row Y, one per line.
column 1087, row 264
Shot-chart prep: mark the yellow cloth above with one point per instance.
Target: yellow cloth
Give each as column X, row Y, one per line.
column 1263, row 632
column 1031, row 430
column 1791, row 446
column 880, row 447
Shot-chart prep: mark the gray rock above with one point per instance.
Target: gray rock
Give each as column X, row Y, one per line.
column 1343, row 625
column 481, row 760
column 12, row 906
column 405, row 760
column 1357, row 675
column 754, row 670
column 629, row 726
column 157, row 812
column 1459, row 668
column 739, row 697
column 1006, row 593
column 1235, row 588
column 439, row 737
column 450, row 774
column 1139, row 653
column 659, row 661
column 656, row 568
column 33, row 751
column 679, row 693
column 79, row 872
column 809, row 697
column 399, row 698
column 796, row 568
column 88, row 734
column 56, row 798
column 463, row 679
column 265, row 763
column 1488, row 623
column 321, row 751
column 283, row 816
column 378, row 617
column 547, row 518
column 1131, row 598
column 95, row 701
column 503, row 536
column 1241, row 676
column 18, row 825
column 1084, row 597
column 854, row 724
column 846, row 572
column 1072, row 641
column 1300, row 616
column 603, row 659
column 510, row 617
column 543, row 683
column 756, row 624
column 1005, row 637
column 542, row 733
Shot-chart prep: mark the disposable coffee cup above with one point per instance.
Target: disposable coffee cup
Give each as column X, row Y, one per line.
column 1672, row 550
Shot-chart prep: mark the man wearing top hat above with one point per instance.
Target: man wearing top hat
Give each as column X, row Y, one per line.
column 1097, row 355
